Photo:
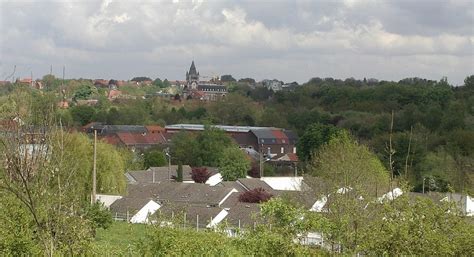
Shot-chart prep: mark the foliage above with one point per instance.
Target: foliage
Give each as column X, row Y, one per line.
column 165, row 241
column 119, row 239
column 419, row 227
column 140, row 79
column 254, row 170
column 99, row 216
column 212, row 143
column 48, row 186
column 185, row 149
column 257, row 195
column 179, row 173
column 154, row 158
column 314, row 137
column 15, row 233
column 84, row 92
column 82, row 114
column 344, row 163
column 227, row 78
column 233, row 164
column 200, row 174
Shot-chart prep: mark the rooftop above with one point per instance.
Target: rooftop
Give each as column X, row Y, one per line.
column 200, row 127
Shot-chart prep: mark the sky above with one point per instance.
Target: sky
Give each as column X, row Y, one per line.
column 261, row 39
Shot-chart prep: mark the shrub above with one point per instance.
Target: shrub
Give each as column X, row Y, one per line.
column 200, row 174
column 254, row 171
column 257, row 195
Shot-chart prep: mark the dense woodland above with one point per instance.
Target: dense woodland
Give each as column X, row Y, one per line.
column 349, row 131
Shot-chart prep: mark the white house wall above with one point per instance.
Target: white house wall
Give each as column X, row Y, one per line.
column 107, row 200
column 142, row 215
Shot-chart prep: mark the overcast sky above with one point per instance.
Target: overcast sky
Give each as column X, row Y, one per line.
column 287, row 40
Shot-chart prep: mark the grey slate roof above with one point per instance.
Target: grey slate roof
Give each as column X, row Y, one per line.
column 110, row 129
column 246, row 213
column 175, row 192
column 194, row 215
column 128, row 204
column 252, row 183
column 161, row 174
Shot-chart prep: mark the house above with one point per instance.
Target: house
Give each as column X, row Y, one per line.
column 201, row 205
column 275, row 142
column 274, row 84
column 135, row 137
column 101, row 83
column 464, row 202
column 88, row 102
column 113, row 94
column 158, row 174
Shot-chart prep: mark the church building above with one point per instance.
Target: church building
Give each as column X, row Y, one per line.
column 202, row 90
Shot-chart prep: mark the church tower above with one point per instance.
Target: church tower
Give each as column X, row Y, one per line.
column 192, row 77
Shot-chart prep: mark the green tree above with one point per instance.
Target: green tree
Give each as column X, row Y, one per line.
column 227, row 78
column 344, row 163
column 154, row 158
column 417, row 227
column 99, row 216
column 469, row 81
column 351, row 179
column 185, row 149
column 82, row 114
column 233, row 164
column 314, row 137
column 84, row 92
column 179, row 173
column 211, row 144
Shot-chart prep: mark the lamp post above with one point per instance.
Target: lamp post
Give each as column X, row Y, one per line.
column 423, row 189
column 267, row 158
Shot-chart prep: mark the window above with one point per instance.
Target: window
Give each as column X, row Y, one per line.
column 282, row 150
column 294, row 149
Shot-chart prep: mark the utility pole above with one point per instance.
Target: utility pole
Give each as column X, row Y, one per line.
column 261, row 161
column 167, row 152
column 423, row 189
column 94, row 170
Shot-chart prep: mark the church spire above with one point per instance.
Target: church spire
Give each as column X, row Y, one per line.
column 192, row 70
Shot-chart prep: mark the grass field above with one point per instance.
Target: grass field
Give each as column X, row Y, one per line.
column 119, row 239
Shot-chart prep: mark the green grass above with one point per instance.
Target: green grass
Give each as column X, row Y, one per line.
column 119, row 239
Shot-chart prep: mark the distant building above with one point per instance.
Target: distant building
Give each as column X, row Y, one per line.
column 196, row 89
column 273, row 84
column 278, row 144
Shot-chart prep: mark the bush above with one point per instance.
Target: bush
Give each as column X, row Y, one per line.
column 254, row 171
column 257, row 195
column 179, row 173
column 154, row 158
column 200, row 174
column 99, row 216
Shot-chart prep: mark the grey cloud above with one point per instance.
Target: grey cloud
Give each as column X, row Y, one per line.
column 290, row 40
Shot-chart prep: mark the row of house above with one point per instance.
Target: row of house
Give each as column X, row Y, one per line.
column 154, row 192
column 275, row 144
column 154, row 196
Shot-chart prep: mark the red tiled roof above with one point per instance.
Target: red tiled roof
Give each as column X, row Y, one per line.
column 289, row 157
column 112, row 139
column 280, row 136
column 154, row 128
column 141, row 139
column 114, row 93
